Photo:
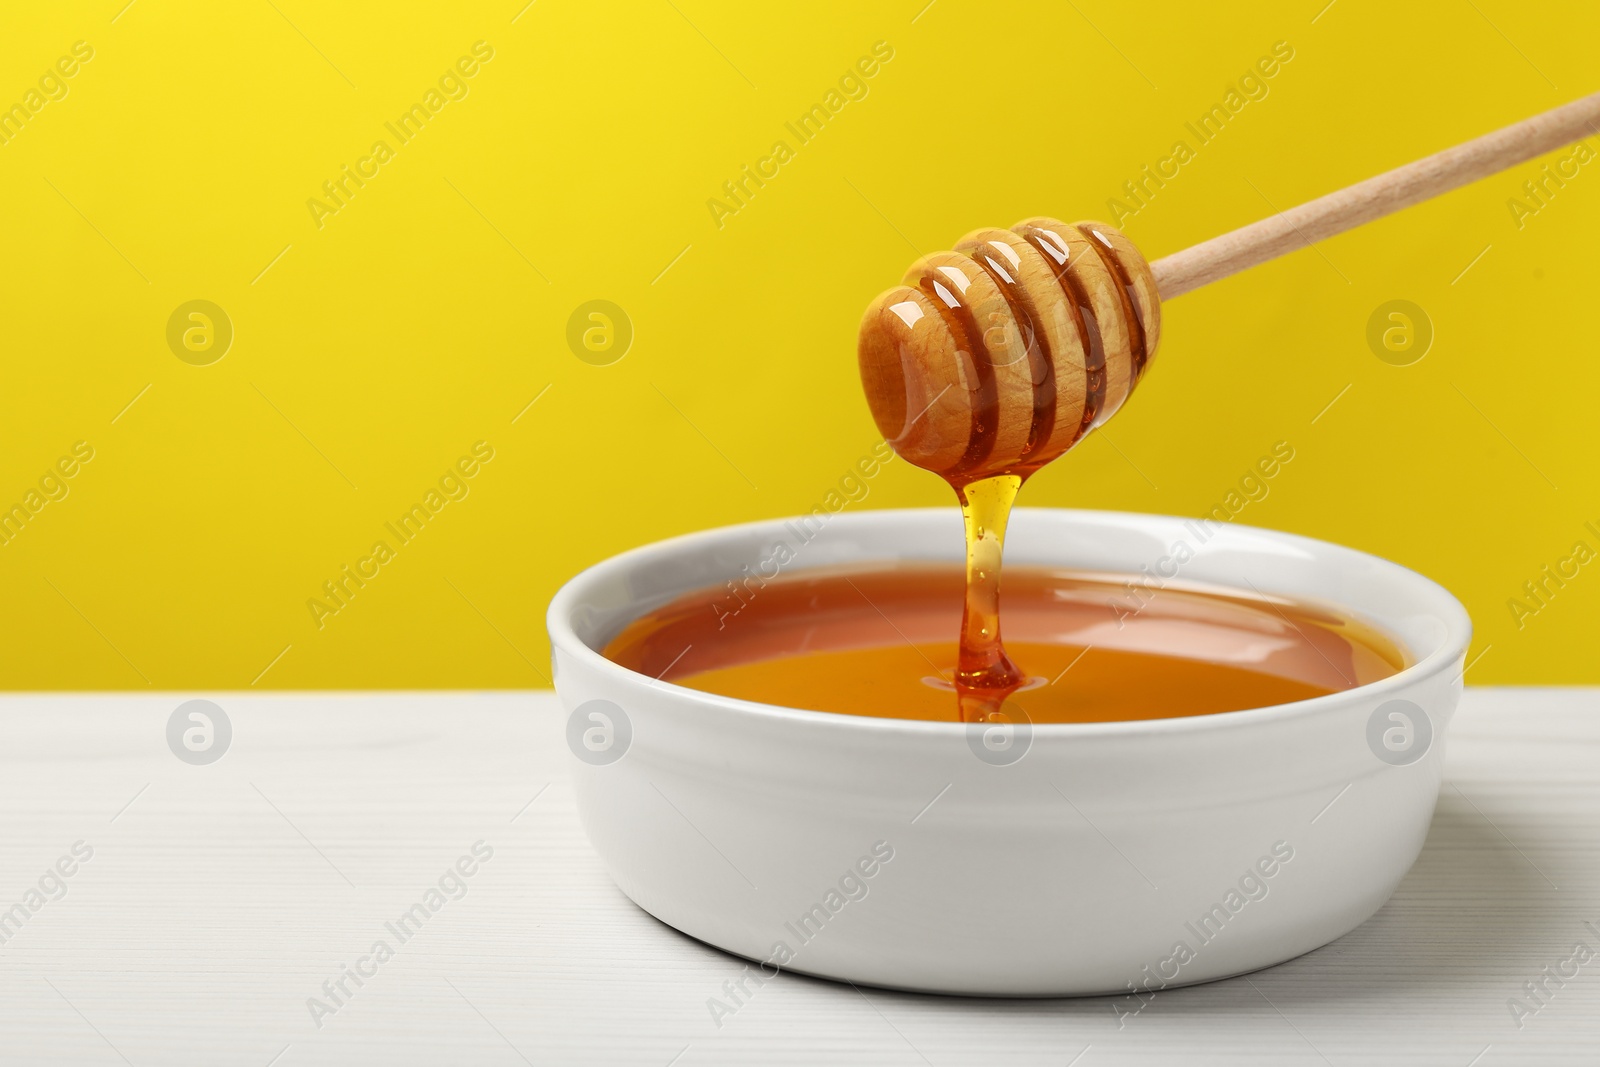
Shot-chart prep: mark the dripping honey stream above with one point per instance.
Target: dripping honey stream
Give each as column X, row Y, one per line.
column 985, row 675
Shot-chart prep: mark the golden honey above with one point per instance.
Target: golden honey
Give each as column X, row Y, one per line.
column 883, row 641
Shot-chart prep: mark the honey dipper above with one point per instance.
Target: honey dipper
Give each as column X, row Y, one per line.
column 992, row 360
column 998, row 357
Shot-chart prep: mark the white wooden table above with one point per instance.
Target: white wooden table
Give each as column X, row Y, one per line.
column 219, row 898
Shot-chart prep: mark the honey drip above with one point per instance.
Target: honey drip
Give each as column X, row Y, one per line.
column 985, row 675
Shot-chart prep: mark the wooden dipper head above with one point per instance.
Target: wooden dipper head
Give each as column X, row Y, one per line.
column 998, row 357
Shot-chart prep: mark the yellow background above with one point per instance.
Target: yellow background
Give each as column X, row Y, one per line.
column 378, row 348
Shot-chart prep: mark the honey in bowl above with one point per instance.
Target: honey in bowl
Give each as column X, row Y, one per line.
column 883, row 641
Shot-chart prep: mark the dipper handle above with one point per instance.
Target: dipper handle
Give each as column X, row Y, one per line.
column 1376, row 197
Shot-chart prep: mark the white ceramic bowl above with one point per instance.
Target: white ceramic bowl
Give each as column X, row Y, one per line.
column 902, row 853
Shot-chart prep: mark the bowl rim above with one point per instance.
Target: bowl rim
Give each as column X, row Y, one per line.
column 563, row 638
